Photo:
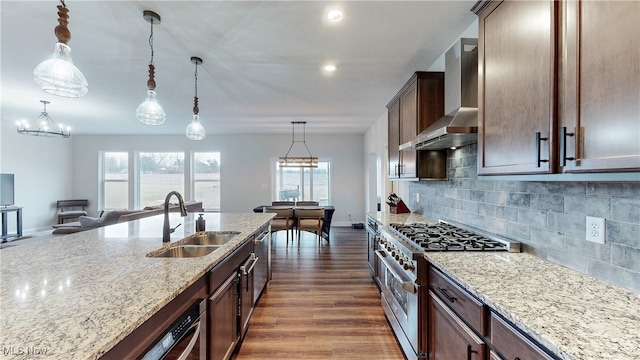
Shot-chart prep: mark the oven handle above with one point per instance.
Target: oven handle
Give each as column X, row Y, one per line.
column 185, row 354
column 261, row 237
column 406, row 285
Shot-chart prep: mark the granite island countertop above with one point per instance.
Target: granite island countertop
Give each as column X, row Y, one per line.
column 575, row 315
column 76, row 296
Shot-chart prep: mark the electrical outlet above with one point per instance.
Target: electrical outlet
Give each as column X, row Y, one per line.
column 349, row 214
column 417, row 197
column 595, row 230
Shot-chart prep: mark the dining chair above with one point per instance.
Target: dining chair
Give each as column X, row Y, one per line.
column 283, row 203
column 282, row 221
column 307, row 203
column 310, row 219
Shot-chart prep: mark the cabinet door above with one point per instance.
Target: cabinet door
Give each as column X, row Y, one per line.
column 600, row 107
column 517, row 91
column 223, row 311
column 394, row 139
column 409, row 113
column 449, row 337
column 511, row 344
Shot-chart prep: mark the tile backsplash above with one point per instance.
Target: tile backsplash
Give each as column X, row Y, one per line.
column 549, row 218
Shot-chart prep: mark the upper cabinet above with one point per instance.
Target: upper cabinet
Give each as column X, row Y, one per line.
column 418, row 104
column 600, row 87
column 559, row 87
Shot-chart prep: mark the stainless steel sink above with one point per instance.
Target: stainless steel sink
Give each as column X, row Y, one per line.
column 185, row 251
column 208, row 238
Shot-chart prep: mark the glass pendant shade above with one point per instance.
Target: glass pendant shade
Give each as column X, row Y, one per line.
column 58, row 76
column 149, row 112
column 195, row 131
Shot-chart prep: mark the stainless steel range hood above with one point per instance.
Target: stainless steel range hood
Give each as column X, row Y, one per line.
column 460, row 125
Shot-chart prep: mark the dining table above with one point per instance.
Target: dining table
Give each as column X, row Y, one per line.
column 326, row 220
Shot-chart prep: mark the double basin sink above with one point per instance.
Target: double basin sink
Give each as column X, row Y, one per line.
column 196, row 245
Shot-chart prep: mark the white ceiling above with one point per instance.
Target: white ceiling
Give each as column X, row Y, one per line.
column 262, row 61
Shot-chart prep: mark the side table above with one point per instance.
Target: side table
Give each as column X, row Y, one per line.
column 4, row 211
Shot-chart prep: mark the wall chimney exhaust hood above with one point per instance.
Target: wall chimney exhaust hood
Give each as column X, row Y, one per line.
column 460, row 124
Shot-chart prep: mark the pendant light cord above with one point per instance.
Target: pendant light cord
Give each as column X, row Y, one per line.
column 196, row 110
column 151, row 42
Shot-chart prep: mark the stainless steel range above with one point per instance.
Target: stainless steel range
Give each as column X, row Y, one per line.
column 401, row 272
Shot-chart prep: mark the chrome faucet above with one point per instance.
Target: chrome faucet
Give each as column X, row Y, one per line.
column 166, row 229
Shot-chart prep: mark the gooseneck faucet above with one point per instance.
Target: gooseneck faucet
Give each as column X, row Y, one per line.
column 166, row 229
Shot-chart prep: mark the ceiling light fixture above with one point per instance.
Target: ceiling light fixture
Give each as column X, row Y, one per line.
column 298, row 161
column 330, row 68
column 149, row 112
column 43, row 125
column 57, row 75
column 335, row 15
column 195, row 131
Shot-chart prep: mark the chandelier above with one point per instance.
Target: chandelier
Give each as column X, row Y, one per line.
column 195, row 131
column 149, row 112
column 57, row 75
column 43, row 125
column 298, row 161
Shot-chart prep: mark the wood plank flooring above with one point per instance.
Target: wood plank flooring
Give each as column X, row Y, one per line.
column 321, row 304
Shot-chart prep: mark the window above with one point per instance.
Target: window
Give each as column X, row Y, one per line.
column 160, row 173
column 206, row 179
column 303, row 183
column 115, row 184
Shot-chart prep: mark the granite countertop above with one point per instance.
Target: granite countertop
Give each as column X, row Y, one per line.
column 573, row 314
column 76, row 296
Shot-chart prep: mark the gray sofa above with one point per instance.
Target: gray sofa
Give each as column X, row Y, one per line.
column 118, row 216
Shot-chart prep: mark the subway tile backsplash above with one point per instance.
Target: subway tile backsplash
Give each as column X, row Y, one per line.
column 548, row 217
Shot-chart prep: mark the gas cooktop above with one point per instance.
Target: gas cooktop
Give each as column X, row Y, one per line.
column 447, row 237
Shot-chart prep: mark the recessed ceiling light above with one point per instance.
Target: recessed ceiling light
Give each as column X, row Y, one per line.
column 330, row 68
column 335, row 15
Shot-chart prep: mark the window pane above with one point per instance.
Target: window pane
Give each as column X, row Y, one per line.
column 303, row 184
column 116, row 180
column 289, row 184
column 160, row 173
column 116, row 195
column 206, row 179
column 321, row 183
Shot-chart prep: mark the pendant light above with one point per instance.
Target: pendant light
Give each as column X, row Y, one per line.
column 298, row 161
column 149, row 112
column 43, row 125
column 57, row 75
column 195, row 131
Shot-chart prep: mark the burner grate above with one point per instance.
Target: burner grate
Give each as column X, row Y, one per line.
column 446, row 237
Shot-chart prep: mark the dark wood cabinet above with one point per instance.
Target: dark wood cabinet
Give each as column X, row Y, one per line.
column 600, row 92
column 419, row 104
column 517, row 92
column 559, row 87
column 449, row 337
column 223, row 328
column 510, row 344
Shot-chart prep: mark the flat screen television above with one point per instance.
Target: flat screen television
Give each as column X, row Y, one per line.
column 7, row 197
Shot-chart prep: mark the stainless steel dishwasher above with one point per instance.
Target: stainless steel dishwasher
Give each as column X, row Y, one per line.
column 262, row 270
column 186, row 339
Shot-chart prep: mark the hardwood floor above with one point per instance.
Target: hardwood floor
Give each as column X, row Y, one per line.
column 320, row 304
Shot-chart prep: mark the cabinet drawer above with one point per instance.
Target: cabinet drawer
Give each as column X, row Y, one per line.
column 509, row 342
column 468, row 308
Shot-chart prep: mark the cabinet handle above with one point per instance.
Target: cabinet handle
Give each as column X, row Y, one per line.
column 538, row 139
column 563, row 146
column 446, row 294
column 470, row 351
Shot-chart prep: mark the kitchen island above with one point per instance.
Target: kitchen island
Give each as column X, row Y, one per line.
column 573, row 315
column 78, row 295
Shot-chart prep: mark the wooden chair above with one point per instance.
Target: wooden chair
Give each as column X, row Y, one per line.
column 310, row 220
column 71, row 209
column 307, row 203
column 282, row 221
column 283, row 203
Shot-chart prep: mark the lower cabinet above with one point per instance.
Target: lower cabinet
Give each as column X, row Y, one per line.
column 223, row 324
column 449, row 337
column 510, row 344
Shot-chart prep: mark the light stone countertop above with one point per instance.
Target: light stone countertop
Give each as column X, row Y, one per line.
column 76, row 296
column 573, row 314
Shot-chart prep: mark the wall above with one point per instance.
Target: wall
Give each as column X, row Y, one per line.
column 245, row 165
column 548, row 217
column 43, row 169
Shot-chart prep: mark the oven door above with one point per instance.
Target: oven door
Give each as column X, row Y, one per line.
column 400, row 303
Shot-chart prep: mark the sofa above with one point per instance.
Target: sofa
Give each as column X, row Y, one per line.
column 119, row 216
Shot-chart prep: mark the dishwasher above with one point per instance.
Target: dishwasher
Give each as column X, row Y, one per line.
column 186, row 339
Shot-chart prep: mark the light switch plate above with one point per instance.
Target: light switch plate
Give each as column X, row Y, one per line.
column 595, row 230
